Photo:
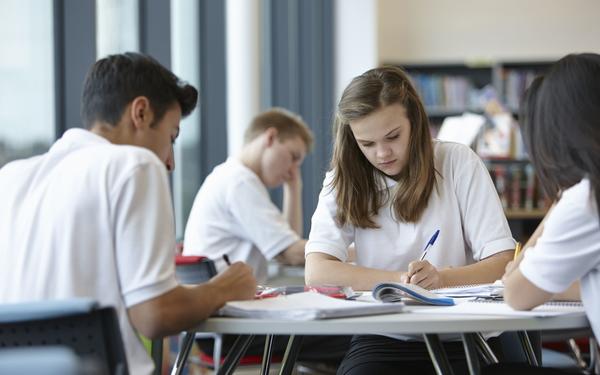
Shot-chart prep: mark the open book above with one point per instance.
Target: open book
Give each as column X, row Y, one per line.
column 394, row 292
column 305, row 306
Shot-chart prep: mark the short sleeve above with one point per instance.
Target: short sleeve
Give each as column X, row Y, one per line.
column 326, row 236
column 261, row 222
column 144, row 234
column 569, row 247
column 485, row 227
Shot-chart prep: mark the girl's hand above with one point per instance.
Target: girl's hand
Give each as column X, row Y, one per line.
column 424, row 274
column 512, row 266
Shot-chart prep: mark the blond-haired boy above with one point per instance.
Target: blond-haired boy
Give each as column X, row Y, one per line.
column 233, row 214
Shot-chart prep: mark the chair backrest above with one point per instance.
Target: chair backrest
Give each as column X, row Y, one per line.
column 194, row 269
column 47, row 360
column 92, row 333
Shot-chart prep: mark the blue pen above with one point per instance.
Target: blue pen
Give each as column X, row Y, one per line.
column 430, row 243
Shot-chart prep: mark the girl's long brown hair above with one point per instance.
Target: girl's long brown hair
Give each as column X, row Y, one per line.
column 359, row 194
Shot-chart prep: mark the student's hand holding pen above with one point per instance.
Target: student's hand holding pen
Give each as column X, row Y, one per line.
column 514, row 264
column 236, row 282
column 421, row 272
column 424, row 274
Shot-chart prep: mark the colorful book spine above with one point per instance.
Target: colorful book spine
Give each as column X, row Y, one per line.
column 500, row 180
column 529, row 187
column 515, row 187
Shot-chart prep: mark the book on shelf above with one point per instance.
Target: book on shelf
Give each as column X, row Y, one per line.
column 499, row 174
column 450, row 92
column 461, row 129
column 529, row 187
column 305, row 306
column 517, row 187
column 515, row 84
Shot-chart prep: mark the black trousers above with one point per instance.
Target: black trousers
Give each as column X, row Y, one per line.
column 324, row 349
column 383, row 355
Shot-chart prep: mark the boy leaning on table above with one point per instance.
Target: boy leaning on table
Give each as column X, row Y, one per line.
column 233, row 214
column 92, row 217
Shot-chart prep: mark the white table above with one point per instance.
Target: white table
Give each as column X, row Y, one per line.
column 409, row 322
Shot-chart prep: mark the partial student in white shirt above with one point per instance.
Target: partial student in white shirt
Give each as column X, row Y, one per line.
column 561, row 129
column 390, row 188
column 233, row 213
column 93, row 217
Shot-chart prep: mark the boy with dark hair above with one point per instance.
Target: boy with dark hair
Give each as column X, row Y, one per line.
column 93, row 216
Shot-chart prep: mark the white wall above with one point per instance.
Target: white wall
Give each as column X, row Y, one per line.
column 472, row 30
column 355, row 40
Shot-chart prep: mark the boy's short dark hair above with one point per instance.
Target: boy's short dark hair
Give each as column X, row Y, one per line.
column 288, row 125
column 114, row 81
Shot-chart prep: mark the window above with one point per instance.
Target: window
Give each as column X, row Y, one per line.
column 186, row 62
column 116, row 26
column 27, row 118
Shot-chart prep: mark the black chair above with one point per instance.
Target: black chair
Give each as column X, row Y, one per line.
column 195, row 270
column 91, row 332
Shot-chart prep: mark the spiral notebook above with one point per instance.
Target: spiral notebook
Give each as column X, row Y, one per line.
column 498, row 307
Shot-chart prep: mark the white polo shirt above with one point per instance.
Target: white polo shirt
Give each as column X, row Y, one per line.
column 569, row 250
column 465, row 208
column 234, row 215
column 88, row 219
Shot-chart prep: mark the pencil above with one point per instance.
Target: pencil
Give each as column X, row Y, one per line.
column 517, row 250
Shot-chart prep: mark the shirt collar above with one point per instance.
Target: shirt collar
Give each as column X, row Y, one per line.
column 384, row 182
column 76, row 137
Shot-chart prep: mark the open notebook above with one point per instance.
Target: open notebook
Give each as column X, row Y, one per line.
column 305, row 306
column 394, row 292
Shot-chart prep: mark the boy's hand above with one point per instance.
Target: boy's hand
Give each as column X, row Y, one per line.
column 424, row 274
column 236, row 282
column 294, row 180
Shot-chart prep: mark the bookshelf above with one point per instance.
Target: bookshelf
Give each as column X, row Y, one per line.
column 523, row 214
column 513, row 78
column 454, row 88
column 518, row 188
column 522, row 198
column 449, row 89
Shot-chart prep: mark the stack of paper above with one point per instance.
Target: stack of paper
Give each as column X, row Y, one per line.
column 305, row 306
column 461, row 129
